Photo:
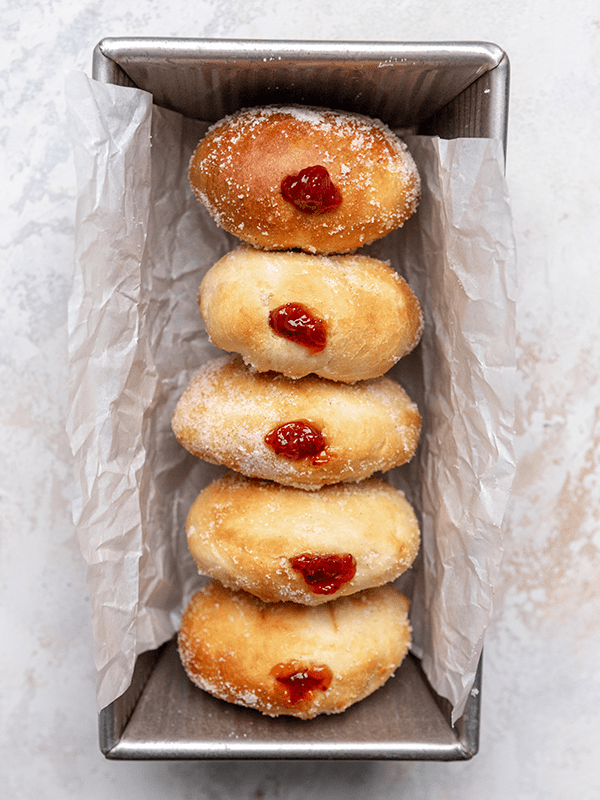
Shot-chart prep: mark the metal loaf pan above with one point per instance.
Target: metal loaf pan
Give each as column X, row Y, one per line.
column 456, row 89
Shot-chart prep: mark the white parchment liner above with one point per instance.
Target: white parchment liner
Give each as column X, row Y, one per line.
column 143, row 243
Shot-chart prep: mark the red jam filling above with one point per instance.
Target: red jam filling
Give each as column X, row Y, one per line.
column 325, row 574
column 298, row 440
column 312, row 191
column 300, row 682
column 295, row 322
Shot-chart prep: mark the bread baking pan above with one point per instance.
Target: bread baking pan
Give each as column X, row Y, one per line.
column 446, row 89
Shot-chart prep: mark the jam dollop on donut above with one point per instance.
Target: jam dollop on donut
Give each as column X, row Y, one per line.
column 298, row 440
column 299, row 177
column 311, row 190
column 325, row 574
column 295, row 322
column 300, row 682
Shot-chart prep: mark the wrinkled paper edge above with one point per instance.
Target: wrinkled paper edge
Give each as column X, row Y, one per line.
column 469, row 366
column 468, row 362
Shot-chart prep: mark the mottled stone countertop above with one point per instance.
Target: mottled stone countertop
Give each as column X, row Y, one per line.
column 540, row 733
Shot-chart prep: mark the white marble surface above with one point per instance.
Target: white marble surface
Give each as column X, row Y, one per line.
column 541, row 728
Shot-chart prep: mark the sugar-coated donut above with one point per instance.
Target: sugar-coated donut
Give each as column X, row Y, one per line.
column 307, row 432
column 348, row 179
column 285, row 544
column 345, row 318
column 288, row 659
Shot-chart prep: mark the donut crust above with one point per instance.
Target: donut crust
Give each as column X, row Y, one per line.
column 237, row 169
column 228, row 409
column 244, row 532
column 371, row 315
column 229, row 643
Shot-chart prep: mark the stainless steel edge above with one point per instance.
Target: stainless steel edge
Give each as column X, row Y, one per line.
column 191, row 751
column 500, row 77
column 468, row 726
column 480, row 110
column 106, row 70
column 119, row 48
column 401, row 83
column 113, row 719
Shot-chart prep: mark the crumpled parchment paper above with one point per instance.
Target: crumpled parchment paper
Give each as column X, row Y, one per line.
column 143, row 243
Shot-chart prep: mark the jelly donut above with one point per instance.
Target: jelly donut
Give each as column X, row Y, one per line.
column 345, row 318
column 307, row 432
column 297, row 177
column 285, row 544
column 288, row 659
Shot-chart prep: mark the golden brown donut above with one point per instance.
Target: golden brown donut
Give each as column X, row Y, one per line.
column 288, row 659
column 355, row 315
column 286, row 544
column 257, row 423
column 237, row 172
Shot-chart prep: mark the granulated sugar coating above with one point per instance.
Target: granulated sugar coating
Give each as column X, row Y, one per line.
column 234, row 646
column 238, row 168
column 228, row 409
column 246, row 533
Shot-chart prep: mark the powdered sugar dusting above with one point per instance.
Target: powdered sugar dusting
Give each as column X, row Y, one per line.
column 230, row 166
